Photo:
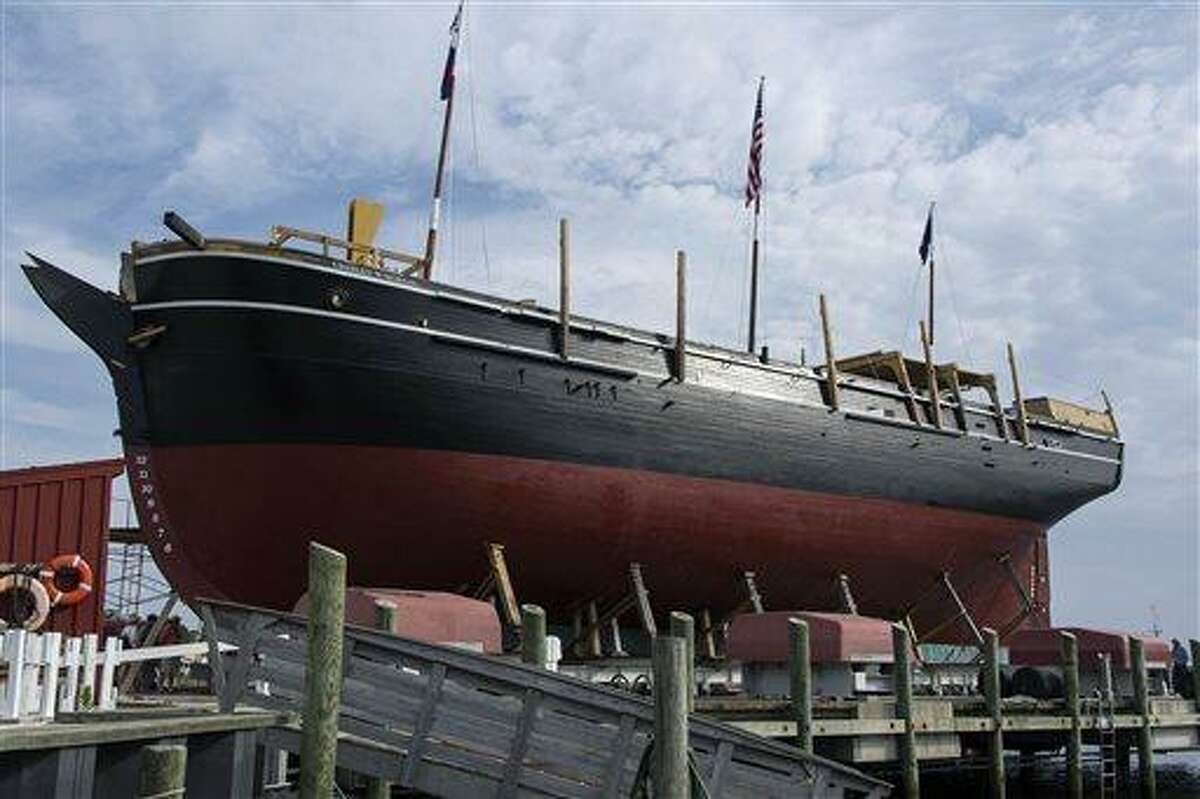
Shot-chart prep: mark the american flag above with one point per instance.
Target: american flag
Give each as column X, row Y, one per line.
column 754, row 170
column 448, row 72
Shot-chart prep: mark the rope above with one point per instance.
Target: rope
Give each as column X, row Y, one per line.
column 469, row 51
column 962, row 331
column 722, row 261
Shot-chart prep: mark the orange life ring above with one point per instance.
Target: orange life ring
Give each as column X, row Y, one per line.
column 67, row 571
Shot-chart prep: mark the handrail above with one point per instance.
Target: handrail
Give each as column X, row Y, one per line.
column 376, row 256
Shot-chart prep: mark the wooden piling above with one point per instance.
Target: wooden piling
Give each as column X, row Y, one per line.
column 533, row 636
column 385, row 620
column 991, row 694
column 162, row 771
column 902, row 679
column 684, row 626
column 1194, row 645
column 564, row 286
column 935, row 404
column 800, row 666
column 669, row 768
column 680, row 315
column 1022, row 419
column 1069, row 650
column 323, row 676
column 831, row 378
column 1141, row 698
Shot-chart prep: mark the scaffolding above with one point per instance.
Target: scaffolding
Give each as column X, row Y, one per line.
column 135, row 585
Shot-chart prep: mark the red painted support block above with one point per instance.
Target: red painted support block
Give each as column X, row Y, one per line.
column 429, row 616
column 833, row 637
column 1041, row 648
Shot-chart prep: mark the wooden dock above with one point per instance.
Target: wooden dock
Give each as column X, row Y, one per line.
column 101, row 754
column 454, row 723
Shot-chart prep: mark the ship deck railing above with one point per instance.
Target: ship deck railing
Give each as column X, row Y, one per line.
column 372, row 262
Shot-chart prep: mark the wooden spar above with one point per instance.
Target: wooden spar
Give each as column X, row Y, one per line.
column 998, row 409
column 564, row 286
column 931, row 260
column 951, row 371
column 831, row 378
column 935, row 405
column 931, row 298
column 846, row 596
column 1108, row 408
column 710, row 643
column 1022, row 419
column 680, row 314
column 435, row 212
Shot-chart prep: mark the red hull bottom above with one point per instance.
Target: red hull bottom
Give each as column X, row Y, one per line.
column 233, row 522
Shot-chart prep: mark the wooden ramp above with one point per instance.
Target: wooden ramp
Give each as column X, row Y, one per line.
column 457, row 724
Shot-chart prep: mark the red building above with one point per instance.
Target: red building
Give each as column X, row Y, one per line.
column 58, row 510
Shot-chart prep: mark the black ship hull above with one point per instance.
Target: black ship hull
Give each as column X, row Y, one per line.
column 286, row 373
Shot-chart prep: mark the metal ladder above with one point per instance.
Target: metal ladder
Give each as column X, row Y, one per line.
column 1106, row 727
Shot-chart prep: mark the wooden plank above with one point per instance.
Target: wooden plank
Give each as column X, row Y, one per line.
column 520, row 744
column 619, row 758
column 504, row 587
column 424, row 723
column 716, row 779
column 53, row 736
column 468, row 701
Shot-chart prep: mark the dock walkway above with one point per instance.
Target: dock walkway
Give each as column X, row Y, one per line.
column 453, row 723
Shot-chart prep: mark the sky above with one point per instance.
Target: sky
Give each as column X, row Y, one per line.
column 1059, row 141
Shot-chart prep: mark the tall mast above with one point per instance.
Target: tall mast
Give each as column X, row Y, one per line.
column 754, row 277
column 754, row 195
column 447, row 95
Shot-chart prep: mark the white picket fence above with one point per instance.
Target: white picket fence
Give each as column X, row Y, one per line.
column 42, row 674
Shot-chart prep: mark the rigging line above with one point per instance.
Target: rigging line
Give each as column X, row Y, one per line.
column 962, row 330
column 743, row 322
column 726, row 245
column 470, row 70
column 912, row 302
